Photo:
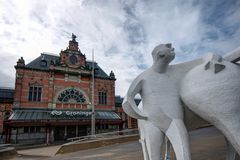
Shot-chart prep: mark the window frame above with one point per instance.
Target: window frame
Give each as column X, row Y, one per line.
column 102, row 97
column 35, row 93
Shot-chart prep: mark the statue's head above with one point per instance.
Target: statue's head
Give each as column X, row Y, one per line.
column 163, row 53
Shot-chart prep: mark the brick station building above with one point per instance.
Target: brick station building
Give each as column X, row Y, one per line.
column 53, row 98
column 127, row 121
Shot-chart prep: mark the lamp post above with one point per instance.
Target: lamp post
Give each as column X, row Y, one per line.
column 93, row 107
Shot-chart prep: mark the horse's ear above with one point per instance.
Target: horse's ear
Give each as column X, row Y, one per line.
column 218, row 67
column 169, row 45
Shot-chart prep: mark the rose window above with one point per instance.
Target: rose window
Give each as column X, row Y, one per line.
column 71, row 96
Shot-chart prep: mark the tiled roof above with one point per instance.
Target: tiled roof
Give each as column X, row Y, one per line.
column 98, row 70
column 37, row 63
column 6, row 95
column 44, row 61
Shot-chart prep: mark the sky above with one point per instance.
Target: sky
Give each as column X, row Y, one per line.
column 122, row 33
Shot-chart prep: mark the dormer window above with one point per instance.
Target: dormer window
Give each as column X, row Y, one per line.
column 43, row 63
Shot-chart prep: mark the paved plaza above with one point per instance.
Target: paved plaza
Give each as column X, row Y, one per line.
column 206, row 144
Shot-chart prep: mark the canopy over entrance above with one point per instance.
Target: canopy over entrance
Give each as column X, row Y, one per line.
column 25, row 117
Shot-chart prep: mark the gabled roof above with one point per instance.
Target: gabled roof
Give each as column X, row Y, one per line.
column 44, row 61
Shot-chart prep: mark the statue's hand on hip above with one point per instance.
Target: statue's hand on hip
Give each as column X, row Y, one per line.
column 132, row 110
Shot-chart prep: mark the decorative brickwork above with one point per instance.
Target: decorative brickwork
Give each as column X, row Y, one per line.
column 69, row 70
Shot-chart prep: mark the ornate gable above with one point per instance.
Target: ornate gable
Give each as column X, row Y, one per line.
column 72, row 57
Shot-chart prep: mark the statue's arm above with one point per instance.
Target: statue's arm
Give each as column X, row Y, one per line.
column 129, row 105
column 184, row 67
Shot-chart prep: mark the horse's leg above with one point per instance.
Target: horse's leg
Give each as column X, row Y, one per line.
column 231, row 152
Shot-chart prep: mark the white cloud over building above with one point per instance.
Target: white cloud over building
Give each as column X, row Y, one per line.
column 121, row 32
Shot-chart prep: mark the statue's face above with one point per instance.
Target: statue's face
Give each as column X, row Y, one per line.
column 163, row 53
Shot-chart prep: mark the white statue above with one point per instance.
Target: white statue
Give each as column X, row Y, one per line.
column 162, row 112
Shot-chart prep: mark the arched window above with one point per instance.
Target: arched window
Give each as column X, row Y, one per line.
column 71, row 96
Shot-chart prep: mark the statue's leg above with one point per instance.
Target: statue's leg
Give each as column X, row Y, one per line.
column 154, row 141
column 143, row 139
column 167, row 150
column 178, row 136
column 231, row 152
column 144, row 148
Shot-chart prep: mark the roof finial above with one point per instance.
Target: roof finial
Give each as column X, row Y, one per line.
column 21, row 62
column 112, row 75
column 74, row 37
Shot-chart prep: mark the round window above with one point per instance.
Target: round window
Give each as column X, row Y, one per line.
column 73, row 59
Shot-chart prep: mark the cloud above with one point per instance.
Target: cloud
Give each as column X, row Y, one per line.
column 122, row 33
column 220, row 20
column 6, row 81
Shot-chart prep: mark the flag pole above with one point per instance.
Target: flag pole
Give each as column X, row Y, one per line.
column 93, row 106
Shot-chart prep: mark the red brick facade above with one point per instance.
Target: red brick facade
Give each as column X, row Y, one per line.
column 132, row 122
column 59, row 78
column 128, row 122
column 55, row 83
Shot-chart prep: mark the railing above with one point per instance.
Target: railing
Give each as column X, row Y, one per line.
column 4, row 147
column 103, row 135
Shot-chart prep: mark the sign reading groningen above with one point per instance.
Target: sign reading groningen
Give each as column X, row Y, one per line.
column 70, row 113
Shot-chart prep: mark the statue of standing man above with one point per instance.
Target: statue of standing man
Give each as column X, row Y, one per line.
column 162, row 113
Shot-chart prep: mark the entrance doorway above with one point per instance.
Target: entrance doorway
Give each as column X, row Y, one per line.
column 71, row 131
column 82, row 130
column 59, row 133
